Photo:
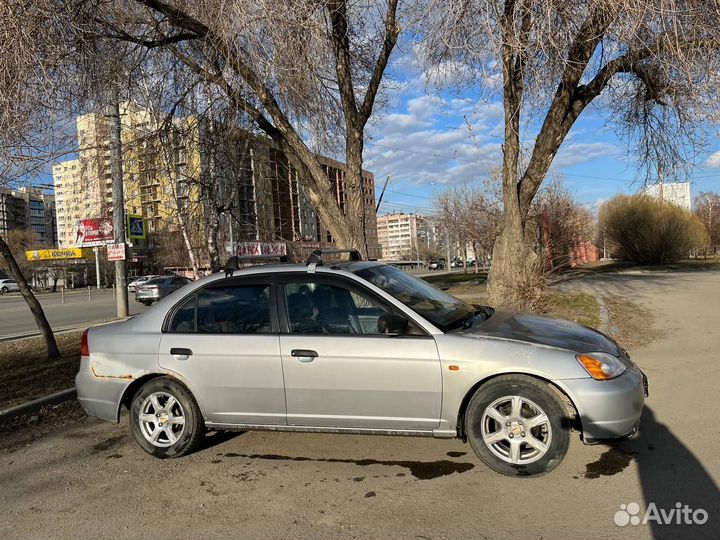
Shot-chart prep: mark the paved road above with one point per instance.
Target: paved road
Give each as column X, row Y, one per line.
column 15, row 316
column 91, row 481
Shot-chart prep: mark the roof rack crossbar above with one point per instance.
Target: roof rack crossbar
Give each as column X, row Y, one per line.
column 233, row 263
column 317, row 255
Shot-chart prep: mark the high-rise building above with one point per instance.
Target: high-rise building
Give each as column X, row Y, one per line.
column 677, row 193
column 28, row 209
column 175, row 168
column 402, row 236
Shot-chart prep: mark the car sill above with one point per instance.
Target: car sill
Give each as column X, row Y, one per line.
column 322, row 429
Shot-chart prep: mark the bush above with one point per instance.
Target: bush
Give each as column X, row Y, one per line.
column 646, row 230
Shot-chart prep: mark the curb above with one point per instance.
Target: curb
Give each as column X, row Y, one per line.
column 604, row 316
column 36, row 404
column 27, row 335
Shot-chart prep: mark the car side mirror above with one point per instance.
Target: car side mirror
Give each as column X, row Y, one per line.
column 392, row 324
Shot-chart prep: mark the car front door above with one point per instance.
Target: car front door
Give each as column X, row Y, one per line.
column 340, row 371
column 223, row 341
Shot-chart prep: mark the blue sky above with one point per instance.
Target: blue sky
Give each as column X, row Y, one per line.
column 426, row 138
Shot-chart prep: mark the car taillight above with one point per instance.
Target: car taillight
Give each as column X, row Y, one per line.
column 84, row 348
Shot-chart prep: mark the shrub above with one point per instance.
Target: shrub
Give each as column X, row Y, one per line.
column 646, row 230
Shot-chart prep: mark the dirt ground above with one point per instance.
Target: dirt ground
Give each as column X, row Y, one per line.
column 26, row 373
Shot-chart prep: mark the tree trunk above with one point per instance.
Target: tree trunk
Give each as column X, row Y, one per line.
column 32, row 302
column 477, row 259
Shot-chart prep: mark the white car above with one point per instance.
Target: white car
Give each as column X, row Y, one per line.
column 8, row 285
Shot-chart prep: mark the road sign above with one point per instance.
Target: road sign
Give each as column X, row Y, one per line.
column 55, row 254
column 94, row 232
column 116, row 252
column 136, row 227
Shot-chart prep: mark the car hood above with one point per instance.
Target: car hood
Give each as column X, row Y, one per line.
column 545, row 331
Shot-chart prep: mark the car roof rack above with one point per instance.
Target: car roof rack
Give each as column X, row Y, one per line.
column 316, row 257
column 233, row 263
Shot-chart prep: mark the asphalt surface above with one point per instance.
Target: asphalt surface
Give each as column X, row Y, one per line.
column 77, row 310
column 90, row 480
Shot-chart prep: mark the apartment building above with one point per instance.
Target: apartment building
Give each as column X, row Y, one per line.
column 677, row 193
column 28, row 209
column 402, row 236
column 187, row 171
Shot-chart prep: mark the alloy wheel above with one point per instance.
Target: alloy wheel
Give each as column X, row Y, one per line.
column 161, row 419
column 516, row 430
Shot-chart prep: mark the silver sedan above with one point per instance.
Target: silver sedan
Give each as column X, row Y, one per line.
column 357, row 347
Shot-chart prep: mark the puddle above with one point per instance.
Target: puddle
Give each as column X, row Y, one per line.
column 113, row 456
column 107, row 444
column 456, row 454
column 611, row 462
column 370, row 494
column 422, row 470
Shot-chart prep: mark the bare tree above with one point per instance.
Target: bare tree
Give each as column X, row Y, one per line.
column 299, row 70
column 654, row 63
column 707, row 208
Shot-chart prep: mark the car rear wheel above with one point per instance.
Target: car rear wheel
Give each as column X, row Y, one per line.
column 517, row 425
column 4, row 290
column 165, row 419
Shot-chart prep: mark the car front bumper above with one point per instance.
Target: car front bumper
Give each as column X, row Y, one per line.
column 609, row 410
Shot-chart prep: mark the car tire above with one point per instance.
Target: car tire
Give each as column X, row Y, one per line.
column 4, row 290
column 531, row 443
column 166, row 437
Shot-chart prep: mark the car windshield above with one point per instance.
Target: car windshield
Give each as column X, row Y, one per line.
column 157, row 280
column 441, row 309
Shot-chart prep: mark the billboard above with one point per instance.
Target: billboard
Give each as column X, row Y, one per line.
column 261, row 248
column 136, row 227
column 55, row 254
column 94, row 232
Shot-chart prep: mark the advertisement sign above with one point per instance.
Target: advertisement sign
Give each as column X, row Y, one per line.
column 116, row 252
column 94, row 232
column 55, row 254
column 261, row 248
column 136, row 227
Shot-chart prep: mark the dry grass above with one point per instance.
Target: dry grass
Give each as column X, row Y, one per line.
column 26, row 373
column 582, row 308
column 632, row 325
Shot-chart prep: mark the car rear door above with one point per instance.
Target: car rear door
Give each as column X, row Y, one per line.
column 341, row 372
column 223, row 340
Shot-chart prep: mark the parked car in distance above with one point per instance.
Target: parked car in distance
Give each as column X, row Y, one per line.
column 139, row 281
column 357, row 347
column 158, row 288
column 8, row 285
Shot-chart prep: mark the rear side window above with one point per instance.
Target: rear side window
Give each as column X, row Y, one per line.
column 184, row 319
column 243, row 309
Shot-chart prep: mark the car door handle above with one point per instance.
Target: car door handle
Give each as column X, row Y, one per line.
column 304, row 355
column 180, row 353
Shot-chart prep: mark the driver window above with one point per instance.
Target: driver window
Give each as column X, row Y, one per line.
column 321, row 308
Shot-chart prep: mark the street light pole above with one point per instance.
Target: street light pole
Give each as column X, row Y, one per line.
column 118, row 199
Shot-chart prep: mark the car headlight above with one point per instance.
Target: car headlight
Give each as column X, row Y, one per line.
column 601, row 366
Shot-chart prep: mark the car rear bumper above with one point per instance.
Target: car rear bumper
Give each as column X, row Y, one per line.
column 609, row 410
column 147, row 295
column 99, row 396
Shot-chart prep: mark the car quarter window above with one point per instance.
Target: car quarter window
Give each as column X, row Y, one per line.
column 232, row 309
column 316, row 306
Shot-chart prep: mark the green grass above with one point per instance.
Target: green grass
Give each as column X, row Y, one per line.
column 579, row 307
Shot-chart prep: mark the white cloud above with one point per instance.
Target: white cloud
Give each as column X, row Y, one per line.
column 582, row 152
column 713, row 160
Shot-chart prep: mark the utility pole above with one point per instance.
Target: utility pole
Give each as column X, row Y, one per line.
column 118, row 198
column 97, row 267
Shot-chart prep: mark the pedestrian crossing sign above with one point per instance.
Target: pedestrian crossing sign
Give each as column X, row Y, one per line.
column 136, row 227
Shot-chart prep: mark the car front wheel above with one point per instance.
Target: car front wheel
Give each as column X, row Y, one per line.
column 517, row 425
column 4, row 290
column 165, row 419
